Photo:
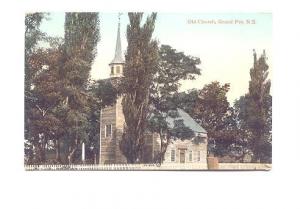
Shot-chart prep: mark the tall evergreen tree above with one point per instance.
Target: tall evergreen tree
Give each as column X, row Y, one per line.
column 256, row 109
column 140, row 67
column 80, row 47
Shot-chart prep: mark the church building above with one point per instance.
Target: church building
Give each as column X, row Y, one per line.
column 192, row 150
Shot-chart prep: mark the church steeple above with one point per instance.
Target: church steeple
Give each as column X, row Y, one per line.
column 118, row 52
column 118, row 62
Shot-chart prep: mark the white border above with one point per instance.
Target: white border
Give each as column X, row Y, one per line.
column 248, row 190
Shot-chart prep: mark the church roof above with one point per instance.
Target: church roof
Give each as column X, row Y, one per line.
column 118, row 59
column 187, row 120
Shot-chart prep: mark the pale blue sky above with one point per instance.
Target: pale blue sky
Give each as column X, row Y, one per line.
column 224, row 49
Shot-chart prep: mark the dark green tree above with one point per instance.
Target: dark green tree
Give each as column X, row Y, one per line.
column 141, row 63
column 173, row 68
column 212, row 111
column 48, row 97
column 186, row 100
column 103, row 94
column 80, row 47
column 61, row 103
column 256, row 110
column 32, row 36
column 210, row 104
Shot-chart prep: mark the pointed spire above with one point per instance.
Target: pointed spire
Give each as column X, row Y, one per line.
column 264, row 54
column 254, row 56
column 118, row 52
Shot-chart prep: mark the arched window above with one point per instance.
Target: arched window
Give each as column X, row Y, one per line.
column 108, row 131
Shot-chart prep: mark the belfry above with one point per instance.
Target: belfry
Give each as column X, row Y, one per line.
column 118, row 62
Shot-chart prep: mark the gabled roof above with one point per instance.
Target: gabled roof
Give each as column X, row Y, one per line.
column 187, row 120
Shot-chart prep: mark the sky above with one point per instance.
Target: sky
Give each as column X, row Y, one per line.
column 223, row 42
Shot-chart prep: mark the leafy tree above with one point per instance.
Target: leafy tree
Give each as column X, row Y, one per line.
column 212, row 111
column 186, row 100
column 103, row 94
column 227, row 137
column 141, row 62
column 43, row 123
column 62, row 102
column 173, row 68
column 256, row 110
column 158, row 123
column 32, row 36
column 231, row 140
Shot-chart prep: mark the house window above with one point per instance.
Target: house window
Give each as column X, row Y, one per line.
column 191, row 156
column 198, row 157
column 178, row 123
column 108, row 130
column 118, row 69
column 173, row 155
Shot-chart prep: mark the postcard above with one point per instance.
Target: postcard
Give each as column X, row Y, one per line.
column 148, row 91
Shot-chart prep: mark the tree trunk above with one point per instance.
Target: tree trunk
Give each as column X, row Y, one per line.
column 163, row 147
column 95, row 158
column 41, row 155
column 57, row 149
column 71, row 155
column 257, row 143
column 72, row 152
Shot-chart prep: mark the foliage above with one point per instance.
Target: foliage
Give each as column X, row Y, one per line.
column 59, row 106
column 186, row 100
column 255, row 110
column 32, row 36
column 212, row 111
column 173, row 68
column 105, row 92
column 141, row 62
column 80, row 44
column 210, row 108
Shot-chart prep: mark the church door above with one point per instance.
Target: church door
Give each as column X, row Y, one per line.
column 182, row 156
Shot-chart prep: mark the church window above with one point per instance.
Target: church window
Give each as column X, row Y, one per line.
column 112, row 70
column 191, row 156
column 108, row 130
column 118, row 69
column 198, row 158
column 178, row 123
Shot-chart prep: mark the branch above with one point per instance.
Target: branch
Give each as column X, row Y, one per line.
column 42, row 111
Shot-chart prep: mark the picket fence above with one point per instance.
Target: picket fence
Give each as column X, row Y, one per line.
column 143, row 167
